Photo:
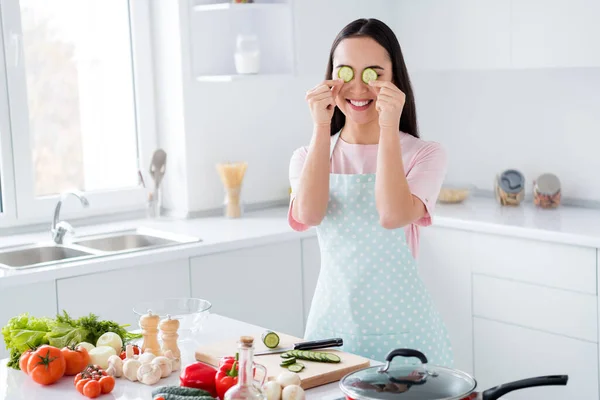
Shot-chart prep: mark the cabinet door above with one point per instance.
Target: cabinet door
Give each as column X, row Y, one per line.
column 555, row 33
column 113, row 294
column 259, row 285
column 454, row 34
column 37, row 299
column 444, row 265
column 504, row 353
column 311, row 267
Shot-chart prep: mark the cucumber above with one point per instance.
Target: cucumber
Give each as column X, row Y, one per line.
column 369, row 75
column 287, row 362
column 179, row 391
column 315, row 356
column 346, row 73
column 270, row 339
column 168, row 396
column 286, row 355
column 296, row 367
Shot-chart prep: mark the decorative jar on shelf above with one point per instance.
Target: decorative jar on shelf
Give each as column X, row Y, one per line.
column 247, row 55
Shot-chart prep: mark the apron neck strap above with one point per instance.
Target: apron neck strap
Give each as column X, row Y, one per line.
column 335, row 138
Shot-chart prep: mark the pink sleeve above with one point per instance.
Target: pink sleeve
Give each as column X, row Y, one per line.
column 426, row 177
column 296, row 165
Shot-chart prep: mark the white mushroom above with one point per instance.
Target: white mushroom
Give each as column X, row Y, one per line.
column 287, row 378
column 147, row 357
column 130, row 369
column 149, row 374
column 175, row 361
column 165, row 365
column 272, row 390
column 115, row 366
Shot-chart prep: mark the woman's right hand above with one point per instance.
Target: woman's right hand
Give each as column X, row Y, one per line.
column 321, row 100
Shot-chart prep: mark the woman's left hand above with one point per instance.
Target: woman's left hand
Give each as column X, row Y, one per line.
column 390, row 102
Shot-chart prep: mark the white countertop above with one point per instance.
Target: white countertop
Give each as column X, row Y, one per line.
column 16, row 385
column 568, row 225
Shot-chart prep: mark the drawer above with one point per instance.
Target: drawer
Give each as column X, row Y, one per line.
column 505, row 353
column 545, row 263
column 551, row 310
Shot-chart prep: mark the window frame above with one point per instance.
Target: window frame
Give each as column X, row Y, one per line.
column 22, row 206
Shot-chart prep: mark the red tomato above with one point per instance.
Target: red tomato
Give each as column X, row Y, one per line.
column 77, row 359
column 46, row 365
column 107, row 384
column 24, row 359
column 92, row 389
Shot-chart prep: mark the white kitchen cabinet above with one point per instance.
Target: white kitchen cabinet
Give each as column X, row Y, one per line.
column 311, row 267
column 454, row 34
column 113, row 294
column 444, row 265
column 505, row 352
column 555, row 33
column 38, row 299
column 260, row 285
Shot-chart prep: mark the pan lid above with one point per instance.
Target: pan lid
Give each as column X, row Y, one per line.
column 407, row 381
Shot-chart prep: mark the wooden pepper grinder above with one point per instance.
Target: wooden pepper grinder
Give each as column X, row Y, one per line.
column 169, row 335
column 149, row 325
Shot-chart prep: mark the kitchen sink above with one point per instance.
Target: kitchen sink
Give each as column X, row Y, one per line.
column 89, row 247
column 38, row 255
column 132, row 240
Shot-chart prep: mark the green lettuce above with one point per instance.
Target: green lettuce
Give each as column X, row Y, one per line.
column 22, row 333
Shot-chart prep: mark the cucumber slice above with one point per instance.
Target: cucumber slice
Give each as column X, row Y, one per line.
column 288, row 361
column 297, row 367
column 369, row 75
column 346, row 73
column 270, row 339
column 334, row 358
column 286, row 355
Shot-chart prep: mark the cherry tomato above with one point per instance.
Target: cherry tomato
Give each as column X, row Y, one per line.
column 92, row 389
column 80, row 384
column 107, row 384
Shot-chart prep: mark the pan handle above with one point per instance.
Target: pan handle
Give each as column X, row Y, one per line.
column 402, row 353
column 549, row 380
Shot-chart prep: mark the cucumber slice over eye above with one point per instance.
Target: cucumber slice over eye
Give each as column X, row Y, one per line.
column 369, row 75
column 346, row 73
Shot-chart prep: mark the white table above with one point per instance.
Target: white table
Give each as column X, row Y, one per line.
column 15, row 384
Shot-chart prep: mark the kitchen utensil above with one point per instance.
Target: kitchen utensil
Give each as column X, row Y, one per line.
column 510, row 188
column 427, row 382
column 232, row 175
column 149, row 324
column 158, row 166
column 312, row 345
column 191, row 312
column 314, row 374
column 547, row 191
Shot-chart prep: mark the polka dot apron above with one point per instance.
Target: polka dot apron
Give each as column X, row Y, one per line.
column 369, row 291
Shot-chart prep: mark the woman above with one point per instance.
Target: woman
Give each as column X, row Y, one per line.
column 367, row 181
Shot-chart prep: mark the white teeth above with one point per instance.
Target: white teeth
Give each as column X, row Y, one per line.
column 359, row 103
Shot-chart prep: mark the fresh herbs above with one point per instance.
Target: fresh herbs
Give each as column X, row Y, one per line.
column 24, row 332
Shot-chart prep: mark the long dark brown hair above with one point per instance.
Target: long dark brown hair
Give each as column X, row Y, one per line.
column 382, row 34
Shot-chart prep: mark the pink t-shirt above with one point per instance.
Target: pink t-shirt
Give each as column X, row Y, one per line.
column 425, row 165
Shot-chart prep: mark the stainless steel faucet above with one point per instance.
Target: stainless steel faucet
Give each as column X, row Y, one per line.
column 61, row 228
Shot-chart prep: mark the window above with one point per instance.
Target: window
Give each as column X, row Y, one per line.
column 78, row 106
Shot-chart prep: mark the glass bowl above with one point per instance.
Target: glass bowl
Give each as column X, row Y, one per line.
column 191, row 312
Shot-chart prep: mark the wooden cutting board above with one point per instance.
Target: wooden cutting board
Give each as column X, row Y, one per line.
column 315, row 374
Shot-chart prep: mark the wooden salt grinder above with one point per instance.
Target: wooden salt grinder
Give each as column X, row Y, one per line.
column 169, row 335
column 149, row 324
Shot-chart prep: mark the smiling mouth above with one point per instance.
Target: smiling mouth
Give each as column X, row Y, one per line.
column 359, row 105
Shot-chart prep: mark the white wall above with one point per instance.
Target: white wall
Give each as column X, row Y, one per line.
column 538, row 120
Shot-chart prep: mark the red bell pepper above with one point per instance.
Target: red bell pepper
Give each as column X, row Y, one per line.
column 200, row 376
column 227, row 375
